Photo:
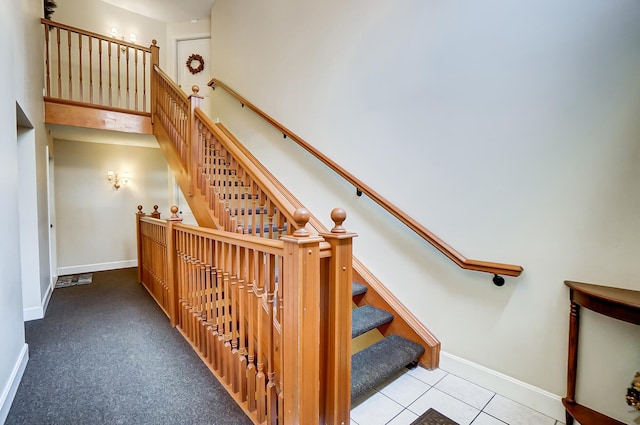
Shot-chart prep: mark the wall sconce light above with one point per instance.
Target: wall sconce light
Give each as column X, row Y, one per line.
column 116, row 180
column 132, row 38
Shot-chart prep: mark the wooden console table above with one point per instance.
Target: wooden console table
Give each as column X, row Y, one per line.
column 622, row 304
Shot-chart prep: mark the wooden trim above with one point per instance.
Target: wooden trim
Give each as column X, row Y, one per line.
column 48, row 99
column 81, row 115
column 452, row 254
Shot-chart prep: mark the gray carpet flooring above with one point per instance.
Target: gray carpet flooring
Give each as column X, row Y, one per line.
column 106, row 354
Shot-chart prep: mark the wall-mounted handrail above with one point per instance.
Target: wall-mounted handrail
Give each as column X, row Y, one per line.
column 481, row 266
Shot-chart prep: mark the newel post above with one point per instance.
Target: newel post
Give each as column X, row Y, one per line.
column 336, row 321
column 192, row 140
column 155, row 61
column 301, row 324
column 172, row 281
column 139, row 215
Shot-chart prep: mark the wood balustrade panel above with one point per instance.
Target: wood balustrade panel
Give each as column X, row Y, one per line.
column 73, row 64
column 232, row 325
column 232, row 191
column 77, row 115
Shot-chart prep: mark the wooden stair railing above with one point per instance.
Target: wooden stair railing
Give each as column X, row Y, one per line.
column 96, row 81
column 497, row 269
column 240, row 196
column 259, row 311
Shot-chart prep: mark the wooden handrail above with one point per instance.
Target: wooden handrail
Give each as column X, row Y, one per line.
column 463, row 262
column 49, row 23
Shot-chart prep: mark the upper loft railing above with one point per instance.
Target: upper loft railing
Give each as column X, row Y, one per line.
column 497, row 269
column 82, row 67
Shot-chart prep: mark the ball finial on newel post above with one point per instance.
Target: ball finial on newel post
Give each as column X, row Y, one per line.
column 140, row 209
column 174, row 212
column 338, row 215
column 301, row 218
column 195, row 89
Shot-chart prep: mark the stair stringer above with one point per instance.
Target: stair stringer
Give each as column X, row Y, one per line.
column 405, row 323
column 196, row 200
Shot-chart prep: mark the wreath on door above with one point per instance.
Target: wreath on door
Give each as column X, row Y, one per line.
column 195, row 58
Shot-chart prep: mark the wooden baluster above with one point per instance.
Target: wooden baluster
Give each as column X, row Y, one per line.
column 203, row 298
column 271, row 397
column 70, row 69
column 91, row 69
column 47, row 29
column 135, row 67
column 144, row 82
column 227, row 329
column 81, row 90
column 185, row 284
column 109, row 57
column 211, row 328
column 189, row 286
column 100, row 96
column 118, row 77
column 206, row 325
column 59, row 63
column 220, row 309
column 300, row 325
column 198, row 322
column 242, row 337
column 194, row 291
column 179, row 277
column 213, row 333
column 233, row 322
column 127, row 76
column 251, row 321
column 260, row 354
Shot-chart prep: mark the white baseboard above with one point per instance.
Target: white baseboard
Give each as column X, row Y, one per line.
column 35, row 313
column 9, row 391
column 87, row 268
column 536, row 398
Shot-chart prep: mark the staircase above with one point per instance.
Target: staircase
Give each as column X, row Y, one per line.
column 227, row 189
column 382, row 360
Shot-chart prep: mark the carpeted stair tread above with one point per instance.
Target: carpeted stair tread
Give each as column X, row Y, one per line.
column 366, row 318
column 357, row 289
column 248, row 211
column 380, row 361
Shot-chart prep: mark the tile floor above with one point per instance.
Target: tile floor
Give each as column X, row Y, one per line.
column 402, row 400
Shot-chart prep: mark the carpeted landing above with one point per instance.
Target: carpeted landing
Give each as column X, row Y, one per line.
column 106, row 354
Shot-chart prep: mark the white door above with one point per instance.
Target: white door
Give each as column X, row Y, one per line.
column 186, row 79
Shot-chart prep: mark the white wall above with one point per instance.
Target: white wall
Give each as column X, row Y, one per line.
column 508, row 129
column 96, row 222
column 13, row 355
